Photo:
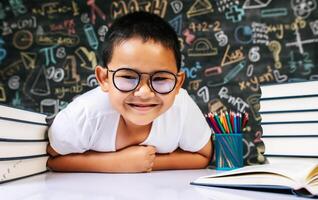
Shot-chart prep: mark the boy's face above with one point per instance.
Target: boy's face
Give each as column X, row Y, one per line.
column 142, row 105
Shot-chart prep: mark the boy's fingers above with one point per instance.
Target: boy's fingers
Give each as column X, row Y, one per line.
column 152, row 157
column 152, row 149
column 150, row 167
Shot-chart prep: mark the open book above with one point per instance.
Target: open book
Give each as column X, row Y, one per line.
column 300, row 179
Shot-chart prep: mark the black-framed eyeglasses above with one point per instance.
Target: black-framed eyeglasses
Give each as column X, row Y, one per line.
column 127, row 80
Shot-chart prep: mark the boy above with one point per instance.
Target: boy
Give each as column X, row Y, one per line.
column 139, row 119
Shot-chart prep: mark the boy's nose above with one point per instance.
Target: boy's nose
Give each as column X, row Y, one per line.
column 144, row 90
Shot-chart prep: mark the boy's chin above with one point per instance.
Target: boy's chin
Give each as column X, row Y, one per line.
column 141, row 121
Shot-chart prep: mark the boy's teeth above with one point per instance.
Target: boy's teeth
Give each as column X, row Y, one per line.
column 142, row 105
column 139, row 105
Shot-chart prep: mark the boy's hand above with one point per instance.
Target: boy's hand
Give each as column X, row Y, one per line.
column 139, row 158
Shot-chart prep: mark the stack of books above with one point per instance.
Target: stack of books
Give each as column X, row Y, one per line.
column 290, row 121
column 23, row 142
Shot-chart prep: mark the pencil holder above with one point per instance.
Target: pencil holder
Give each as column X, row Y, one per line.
column 228, row 151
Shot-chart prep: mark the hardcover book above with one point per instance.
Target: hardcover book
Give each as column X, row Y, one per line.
column 300, row 179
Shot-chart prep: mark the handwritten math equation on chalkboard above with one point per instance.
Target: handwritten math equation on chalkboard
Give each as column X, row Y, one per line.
column 49, row 49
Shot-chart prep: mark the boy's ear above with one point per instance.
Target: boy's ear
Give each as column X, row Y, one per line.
column 180, row 82
column 101, row 75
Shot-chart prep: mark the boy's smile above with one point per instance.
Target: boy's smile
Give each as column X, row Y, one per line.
column 142, row 105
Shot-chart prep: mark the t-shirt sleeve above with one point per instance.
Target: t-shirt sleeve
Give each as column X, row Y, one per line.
column 196, row 132
column 69, row 131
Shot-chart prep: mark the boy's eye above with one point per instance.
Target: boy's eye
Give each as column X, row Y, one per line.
column 160, row 79
column 126, row 74
column 163, row 77
column 127, row 77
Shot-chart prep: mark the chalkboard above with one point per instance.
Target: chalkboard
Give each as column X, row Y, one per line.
column 48, row 51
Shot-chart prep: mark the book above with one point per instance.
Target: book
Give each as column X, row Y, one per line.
column 289, row 116
column 291, row 146
column 20, row 130
column 16, row 114
column 290, row 129
column 291, row 159
column 301, row 179
column 290, row 103
column 21, row 168
column 306, row 88
column 18, row 149
column 23, row 143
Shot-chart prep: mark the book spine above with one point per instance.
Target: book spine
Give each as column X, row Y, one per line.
column 24, row 121
column 306, row 88
column 293, row 156
column 22, row 140
column 291, row 136
column 291, row 146
column 289, row 116
column 288, row 111
column 23, row 157
column 289, row 104
column 289, row 122
column 287, row 97
column 290, row 129
column 21, row 177
column 14, row 169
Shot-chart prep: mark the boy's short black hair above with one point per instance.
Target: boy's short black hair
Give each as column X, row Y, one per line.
column 143, row 25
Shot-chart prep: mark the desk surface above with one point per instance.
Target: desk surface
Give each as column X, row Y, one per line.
column 160, row 185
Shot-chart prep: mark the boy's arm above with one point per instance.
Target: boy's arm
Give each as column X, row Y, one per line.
column 130, row 159
column 181, row 159
column 51, row 151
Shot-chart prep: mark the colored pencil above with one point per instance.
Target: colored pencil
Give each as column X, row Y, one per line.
column 228, row 121
column 214, row 125
column 245, row 119
column 219, row 122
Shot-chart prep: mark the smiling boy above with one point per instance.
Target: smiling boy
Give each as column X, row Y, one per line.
column 139, row 119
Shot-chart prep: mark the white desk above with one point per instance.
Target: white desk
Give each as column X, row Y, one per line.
column 161, row 185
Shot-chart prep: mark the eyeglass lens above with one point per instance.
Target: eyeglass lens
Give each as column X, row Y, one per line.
column 128, row 80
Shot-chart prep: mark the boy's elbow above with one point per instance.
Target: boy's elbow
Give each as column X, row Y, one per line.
column 203, row 162
column 206, row 152
column 206, row 162
column 51, row 151
column 58, row 164
column 52, row 161
column 51, row 164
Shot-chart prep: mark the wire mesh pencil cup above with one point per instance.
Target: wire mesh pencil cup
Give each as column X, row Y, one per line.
column 228, row 151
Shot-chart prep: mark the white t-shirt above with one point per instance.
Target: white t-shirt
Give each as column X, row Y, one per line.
column 90, row 123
